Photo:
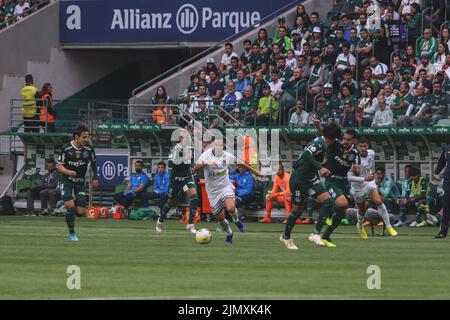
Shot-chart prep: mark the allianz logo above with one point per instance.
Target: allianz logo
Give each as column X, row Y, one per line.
column 188, row 19
column 109, row 170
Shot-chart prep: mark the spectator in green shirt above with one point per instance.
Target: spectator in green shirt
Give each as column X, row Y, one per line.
column 427, row 45
column 281, row 23
column 267, row 110
column 439, row 102
column 364, row 49
column 284, row 41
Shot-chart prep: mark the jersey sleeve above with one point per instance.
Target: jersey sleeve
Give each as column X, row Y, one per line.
column 313, row 150
column 202, row 158
column 61, row 156
column 175, row 157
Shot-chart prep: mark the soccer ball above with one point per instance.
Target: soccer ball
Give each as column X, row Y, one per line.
column 203, row 236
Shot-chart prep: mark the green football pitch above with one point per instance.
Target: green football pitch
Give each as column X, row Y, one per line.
column 126, row 259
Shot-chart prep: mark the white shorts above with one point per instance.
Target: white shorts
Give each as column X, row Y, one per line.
column 361, row 194
column 217, row 199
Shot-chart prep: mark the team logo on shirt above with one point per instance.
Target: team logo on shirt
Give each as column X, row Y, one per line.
column 85, row 154
column 351, row 157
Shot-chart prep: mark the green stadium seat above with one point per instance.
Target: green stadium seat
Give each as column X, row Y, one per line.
column 23, row 184
column 120, row 188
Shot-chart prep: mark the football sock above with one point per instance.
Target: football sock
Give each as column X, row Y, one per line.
column 310, row 207
column 382, row 210
column 268, row 207
column 165, row 209
column 234, row 215
column 325, row 210
column 226, row 226
column 360, row 220
column 339, row 214
column 290, row 223
column 193, row 204
column 70, row 219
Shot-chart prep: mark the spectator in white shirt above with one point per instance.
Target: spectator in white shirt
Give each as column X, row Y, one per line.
column 202, row 96
column 427, row 66
column 21, row 9
column 345, row 59
column 405, row 6
column 225, row 63
column 439, row 57
column 384, row 116
column 300, row 117
column 275, row 84
column 389, row 96
column 369, row 105
column 378, row 70
column 291, row 60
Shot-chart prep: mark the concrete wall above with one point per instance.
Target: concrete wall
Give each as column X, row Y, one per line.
column 175, row 83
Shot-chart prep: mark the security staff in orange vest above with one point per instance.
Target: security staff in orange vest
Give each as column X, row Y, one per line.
column 47, row 114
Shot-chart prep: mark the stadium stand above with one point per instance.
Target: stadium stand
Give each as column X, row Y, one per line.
column 12, row 11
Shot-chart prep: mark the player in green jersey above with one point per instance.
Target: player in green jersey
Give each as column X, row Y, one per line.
column 73, row 162
column 305, row 182
column 181, row 181
column 341, row 155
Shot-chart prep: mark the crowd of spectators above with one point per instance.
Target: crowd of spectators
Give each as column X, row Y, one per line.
column 367, row 65
column 12, row 11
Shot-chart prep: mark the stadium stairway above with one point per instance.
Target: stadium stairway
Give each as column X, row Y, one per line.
column 176, row 82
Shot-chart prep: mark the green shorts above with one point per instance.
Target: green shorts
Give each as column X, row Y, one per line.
column 71, row 191
column 180, row 185
column 302, row 187
column 337, row 187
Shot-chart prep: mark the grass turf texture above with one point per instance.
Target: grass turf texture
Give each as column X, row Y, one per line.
column 127, row 259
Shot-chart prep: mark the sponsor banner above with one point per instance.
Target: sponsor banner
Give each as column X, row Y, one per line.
column 112, row 169
column 128, row 127
column 309, row 130
column 144, row 21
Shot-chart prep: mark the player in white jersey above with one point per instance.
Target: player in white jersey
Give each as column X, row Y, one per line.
column 363, row 186
column 220, row 190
